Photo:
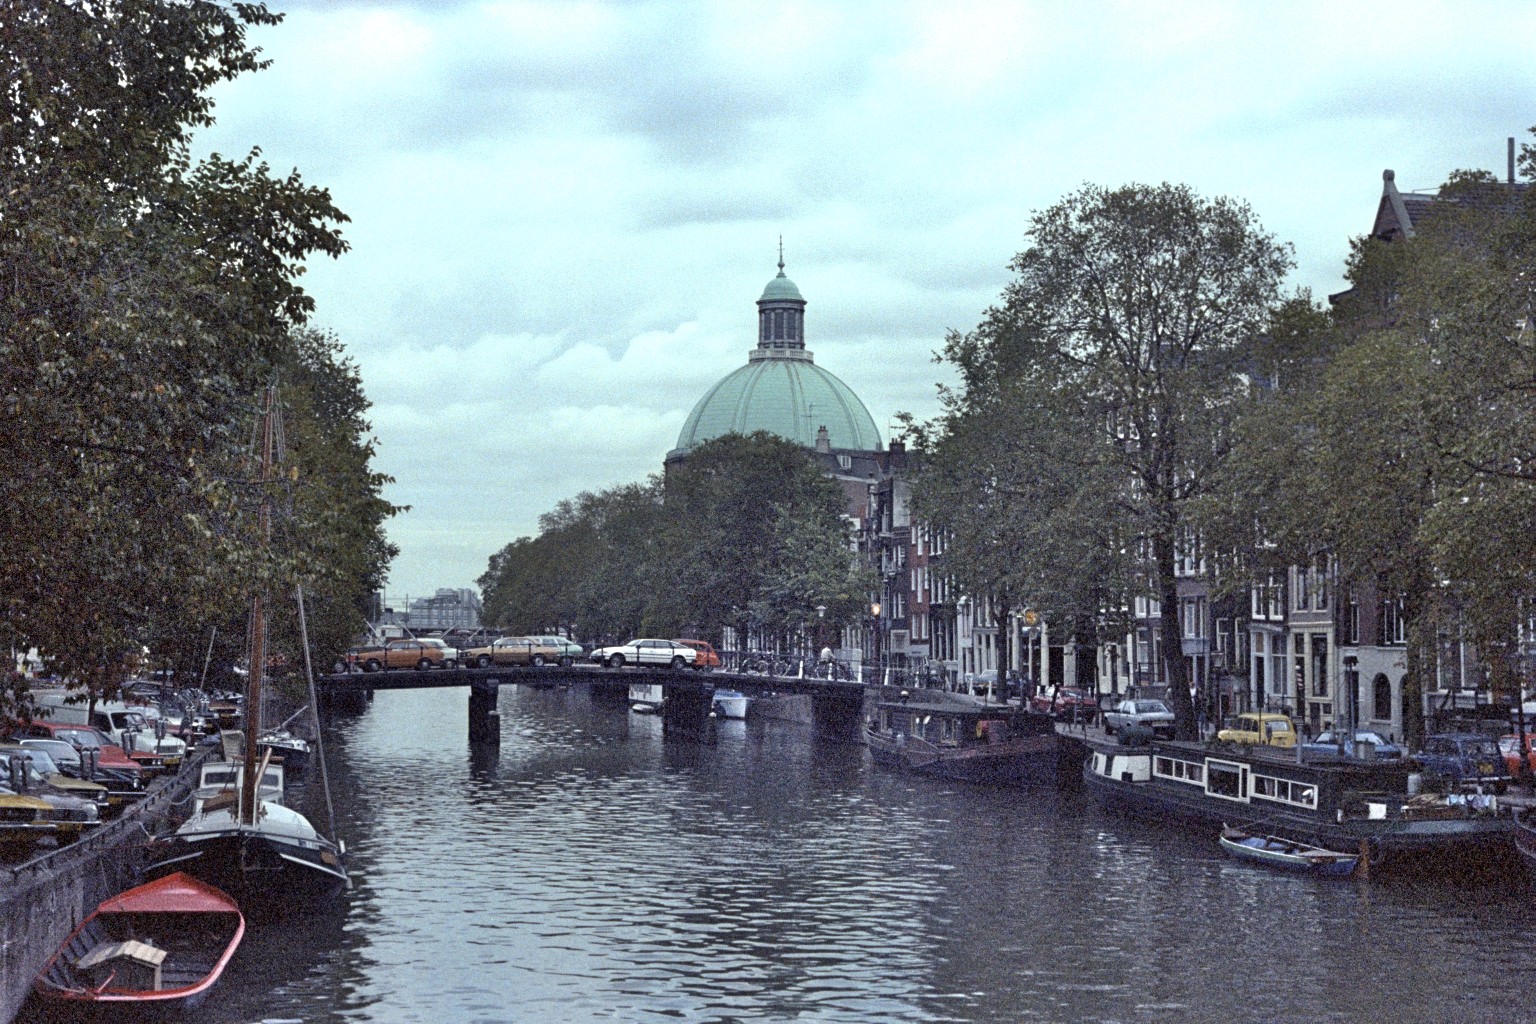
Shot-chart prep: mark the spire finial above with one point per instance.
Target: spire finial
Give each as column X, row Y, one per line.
column 781, row 255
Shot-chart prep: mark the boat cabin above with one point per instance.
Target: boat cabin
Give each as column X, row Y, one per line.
column 957, row 723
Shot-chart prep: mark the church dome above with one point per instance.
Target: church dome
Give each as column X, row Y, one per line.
column 788, row 397
column 781, row 389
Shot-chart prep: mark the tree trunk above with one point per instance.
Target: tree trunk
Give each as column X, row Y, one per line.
column 1184, row 725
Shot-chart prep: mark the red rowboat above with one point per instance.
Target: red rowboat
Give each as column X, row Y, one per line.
column 163, row 943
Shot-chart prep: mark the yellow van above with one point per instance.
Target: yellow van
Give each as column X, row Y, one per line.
column 1260, row 728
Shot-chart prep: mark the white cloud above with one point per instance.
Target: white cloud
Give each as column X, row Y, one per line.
column 563, row 211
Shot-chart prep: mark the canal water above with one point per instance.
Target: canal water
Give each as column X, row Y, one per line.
column 588, row 870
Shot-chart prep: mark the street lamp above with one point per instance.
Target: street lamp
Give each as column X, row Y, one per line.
column 821, row 640
column 874, row 612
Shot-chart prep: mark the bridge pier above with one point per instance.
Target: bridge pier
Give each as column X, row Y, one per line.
column 839, row 716
column 685, row 711
column 484, row 719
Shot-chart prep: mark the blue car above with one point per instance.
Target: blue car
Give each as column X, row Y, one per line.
column 1327, row 745
column 1466, row 758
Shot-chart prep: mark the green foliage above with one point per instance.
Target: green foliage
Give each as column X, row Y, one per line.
column 147, row 299
column 747, row 532
column 1098, row 402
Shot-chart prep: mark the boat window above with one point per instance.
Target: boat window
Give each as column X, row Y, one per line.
column 1173, row 768
column 947, row 729
column 1285, row 791
column 1224, row 780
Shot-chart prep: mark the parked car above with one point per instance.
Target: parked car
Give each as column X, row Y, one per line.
column 73, row 811
column 706, row 657
column 1260, row 729
column 113, row 768
column 1145, row 714
column 451, row 656
column 402, row 654
column 121, row 786
column 1065, row 702
column 646, row 652
column 1508, row 746
column 1466, row 758
column 513, row 650
column 1364, row 744
column 567, row 649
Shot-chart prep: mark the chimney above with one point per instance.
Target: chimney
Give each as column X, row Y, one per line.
column 823, row 441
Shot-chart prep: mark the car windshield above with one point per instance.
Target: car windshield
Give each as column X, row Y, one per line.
column 81, row 737
column 41, row 761
column 1149, row 707
column 1482, row 748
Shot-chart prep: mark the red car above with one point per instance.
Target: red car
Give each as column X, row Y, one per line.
column 1507, row 747
column 706, row 659
column 1065, row 702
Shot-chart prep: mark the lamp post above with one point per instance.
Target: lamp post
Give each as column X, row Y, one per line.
column 874, row 614
column 821, row 622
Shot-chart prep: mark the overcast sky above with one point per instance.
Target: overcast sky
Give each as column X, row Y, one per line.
column 563, row 212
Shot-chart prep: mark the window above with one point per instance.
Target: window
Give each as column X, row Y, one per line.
column 1301, row 588
column 1392, row 626
column 1173, row 768
column 1352, row 619
column 1319, row 664
column 1225, row 779
column 1320, row 586
column 1381, row 691
column 1285, row 791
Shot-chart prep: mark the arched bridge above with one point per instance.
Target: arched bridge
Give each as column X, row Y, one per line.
column 688, row 696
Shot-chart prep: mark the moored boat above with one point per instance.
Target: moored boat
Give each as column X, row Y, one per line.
column 1289, row 854
column 646, row 698
column 1361, row 805
column 161, row 944
column 730, row 704
column 954, row 736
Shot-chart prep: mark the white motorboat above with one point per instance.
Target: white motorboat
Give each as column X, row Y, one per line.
column 731, row 704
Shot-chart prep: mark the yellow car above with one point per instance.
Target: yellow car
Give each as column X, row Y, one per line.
column 1260, row 728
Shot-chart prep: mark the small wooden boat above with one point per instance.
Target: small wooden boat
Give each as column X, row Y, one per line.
column 1286, row 853
column 164, row 944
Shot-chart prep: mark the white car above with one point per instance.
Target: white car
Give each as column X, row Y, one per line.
column 668, row 653
column 1146, row 714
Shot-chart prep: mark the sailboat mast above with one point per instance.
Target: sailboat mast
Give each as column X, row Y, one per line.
column 258, row 664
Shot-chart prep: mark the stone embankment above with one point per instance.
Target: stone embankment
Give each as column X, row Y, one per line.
column 43, row 899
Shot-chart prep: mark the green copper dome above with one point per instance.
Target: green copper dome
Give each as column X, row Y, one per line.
column 787, row 397
column 780, row 289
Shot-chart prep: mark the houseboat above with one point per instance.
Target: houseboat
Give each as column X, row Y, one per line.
column 954, row 736
column 1350, row 806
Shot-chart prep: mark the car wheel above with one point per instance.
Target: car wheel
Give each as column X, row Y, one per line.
column 372, row 665
column 567, row 661
column 484, row 661
column 450, row 663
column 1109, row 730
column 677, row 662
column 616, row 661
column 538, row 659
column 424, row 664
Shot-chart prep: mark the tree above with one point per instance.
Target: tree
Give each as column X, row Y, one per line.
column 716, row 563
column 1117, row 357
column 147, row 300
